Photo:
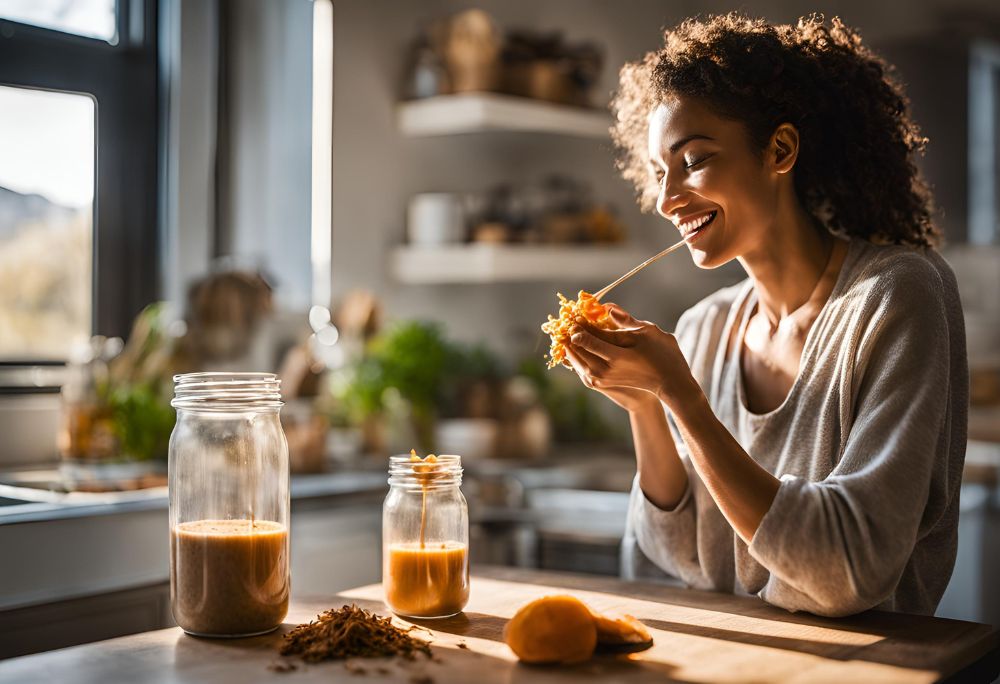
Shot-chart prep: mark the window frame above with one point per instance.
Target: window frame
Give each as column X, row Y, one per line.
column 123, row 78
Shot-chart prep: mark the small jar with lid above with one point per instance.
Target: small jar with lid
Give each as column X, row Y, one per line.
column 425, row 537
column 229, row 505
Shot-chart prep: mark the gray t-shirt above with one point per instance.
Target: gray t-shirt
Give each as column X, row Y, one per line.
column 869, row 446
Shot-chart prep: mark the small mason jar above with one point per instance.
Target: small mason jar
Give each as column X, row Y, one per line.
column 229, row 505
column 425, row 538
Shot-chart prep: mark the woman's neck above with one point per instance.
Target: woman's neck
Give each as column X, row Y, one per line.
column 787, row 267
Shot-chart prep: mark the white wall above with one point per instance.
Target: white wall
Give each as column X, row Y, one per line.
column 266, row 203
column 188, row 50
column 270, row 142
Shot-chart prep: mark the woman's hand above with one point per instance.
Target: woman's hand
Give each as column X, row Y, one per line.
column 634, row 361
column 629, row 398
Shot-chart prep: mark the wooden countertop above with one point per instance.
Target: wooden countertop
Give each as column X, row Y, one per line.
column 699, row 637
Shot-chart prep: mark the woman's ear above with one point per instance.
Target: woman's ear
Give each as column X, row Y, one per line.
column 784, row 148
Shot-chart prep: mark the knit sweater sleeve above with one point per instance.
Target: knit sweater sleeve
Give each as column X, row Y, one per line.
column 670, row 538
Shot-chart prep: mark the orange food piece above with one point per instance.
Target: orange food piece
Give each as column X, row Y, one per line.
column 552, row 629
column 585, row 308
column 423, row 466
column 621, row 631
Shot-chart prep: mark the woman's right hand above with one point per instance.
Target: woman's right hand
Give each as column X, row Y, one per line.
column 629, row 398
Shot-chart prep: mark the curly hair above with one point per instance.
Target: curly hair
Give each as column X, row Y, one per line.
column 855, row 171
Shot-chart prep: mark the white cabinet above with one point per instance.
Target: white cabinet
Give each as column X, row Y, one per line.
column 336, row 549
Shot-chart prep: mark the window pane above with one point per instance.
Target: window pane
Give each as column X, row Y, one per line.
column 91, row 18
column 46, row 221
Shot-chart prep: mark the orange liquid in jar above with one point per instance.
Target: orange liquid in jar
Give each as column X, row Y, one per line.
column 229, row 577
column 429, row 580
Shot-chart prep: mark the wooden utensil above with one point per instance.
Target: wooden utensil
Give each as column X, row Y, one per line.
column 600, row 293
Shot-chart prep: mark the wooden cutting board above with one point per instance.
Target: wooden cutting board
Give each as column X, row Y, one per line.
column 699, row 637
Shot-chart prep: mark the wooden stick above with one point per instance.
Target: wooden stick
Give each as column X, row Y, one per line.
column 635, row 270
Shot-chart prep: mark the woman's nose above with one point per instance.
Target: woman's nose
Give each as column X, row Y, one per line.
column 669, row 201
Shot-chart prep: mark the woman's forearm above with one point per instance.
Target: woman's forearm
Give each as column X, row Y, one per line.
column 662, row 476
column 741, row 488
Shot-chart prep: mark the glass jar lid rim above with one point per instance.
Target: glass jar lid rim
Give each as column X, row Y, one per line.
column 445, row 471
column 215, row 390
column 236, row 377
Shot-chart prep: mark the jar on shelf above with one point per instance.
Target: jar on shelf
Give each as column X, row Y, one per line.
column 425, row 537
column 229, row 505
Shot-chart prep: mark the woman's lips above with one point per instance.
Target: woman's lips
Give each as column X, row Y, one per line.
column 693, row 235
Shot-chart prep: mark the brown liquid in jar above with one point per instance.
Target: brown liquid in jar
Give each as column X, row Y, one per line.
column 428, row 580
column 229, row 577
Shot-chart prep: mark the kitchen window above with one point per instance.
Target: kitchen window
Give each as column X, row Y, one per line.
column 46, row 221
column 90, row 18
column 78, row 171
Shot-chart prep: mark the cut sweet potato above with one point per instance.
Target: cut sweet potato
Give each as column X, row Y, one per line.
column 622, row 634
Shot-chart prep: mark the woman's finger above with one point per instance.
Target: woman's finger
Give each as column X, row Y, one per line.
column 585, row 364
column 589, row 361
column 578, row 365
column 584, row 339
column 622, row 318
column 619, row 338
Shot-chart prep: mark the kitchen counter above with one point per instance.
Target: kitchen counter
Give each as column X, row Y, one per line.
column 699, row 636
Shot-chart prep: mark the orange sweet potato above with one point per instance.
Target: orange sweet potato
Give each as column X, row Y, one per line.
column 552, row 629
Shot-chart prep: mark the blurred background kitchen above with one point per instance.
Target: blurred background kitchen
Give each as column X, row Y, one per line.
column 379, row 200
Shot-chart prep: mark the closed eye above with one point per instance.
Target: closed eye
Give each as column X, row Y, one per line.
column 696, row 162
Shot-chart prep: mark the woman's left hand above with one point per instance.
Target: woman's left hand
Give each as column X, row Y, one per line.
column 638, row 354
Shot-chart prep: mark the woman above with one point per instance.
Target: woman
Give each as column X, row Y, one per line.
column 801, row 436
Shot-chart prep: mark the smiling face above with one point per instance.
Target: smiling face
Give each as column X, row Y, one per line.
column 720, row 194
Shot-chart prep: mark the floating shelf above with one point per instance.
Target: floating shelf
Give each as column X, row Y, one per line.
column 479, row 112
column 512, row 263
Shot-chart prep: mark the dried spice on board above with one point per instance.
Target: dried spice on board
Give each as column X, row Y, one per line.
column 351, row 632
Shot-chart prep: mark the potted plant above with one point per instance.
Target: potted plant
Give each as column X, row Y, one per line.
column 406, row 362
column 413, row 369
column 470, row 403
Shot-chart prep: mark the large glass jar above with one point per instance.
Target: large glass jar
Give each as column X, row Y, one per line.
column 228, row 483
column 425, row 537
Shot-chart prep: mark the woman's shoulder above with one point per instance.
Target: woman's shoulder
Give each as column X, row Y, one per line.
column 894, row 291
column 909, row 277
